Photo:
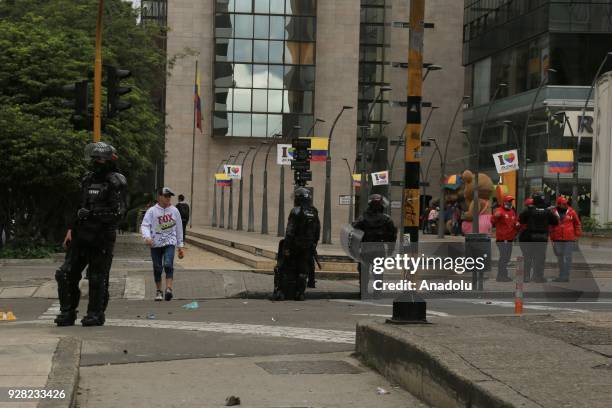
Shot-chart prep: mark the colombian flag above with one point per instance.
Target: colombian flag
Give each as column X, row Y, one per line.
column 560, row 160
column 223, row 180
column 356, row 180
column 318, row 148
column 197, row 101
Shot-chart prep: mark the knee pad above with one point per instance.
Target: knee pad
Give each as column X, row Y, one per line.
column 61, row 275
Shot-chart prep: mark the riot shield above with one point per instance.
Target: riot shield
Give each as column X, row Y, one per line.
column 350, row 238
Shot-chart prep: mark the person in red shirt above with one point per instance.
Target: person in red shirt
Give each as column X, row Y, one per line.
column 564, row 236
column 506, row 225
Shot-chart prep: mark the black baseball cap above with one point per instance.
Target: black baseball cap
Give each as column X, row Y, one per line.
column 165, row 191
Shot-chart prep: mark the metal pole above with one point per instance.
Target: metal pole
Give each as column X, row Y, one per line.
column 264, row 203
column 363, row 198
column 214, row 214
column 475, row 201
column 230, row 212
column 311, row 130
column 410, row 197
column 222, row 207
column 327, row 203
column 239, row 225
column 251, row 221
column 348, row 166
column 575, row 172
column 97, row 125
column 523, row 179
column 193, row 150
column 280, row 229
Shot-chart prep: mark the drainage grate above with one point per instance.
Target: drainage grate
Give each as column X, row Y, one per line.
column 309, row 367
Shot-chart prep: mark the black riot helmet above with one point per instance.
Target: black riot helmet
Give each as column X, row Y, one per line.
column 102, row 157
column 100, row 151
column 301, row 196
column 539, row 200
column 377, row 203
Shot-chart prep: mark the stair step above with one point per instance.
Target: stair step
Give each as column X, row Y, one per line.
column 238, row 255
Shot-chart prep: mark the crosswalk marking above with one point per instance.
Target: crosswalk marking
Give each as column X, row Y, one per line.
column 134, row 287
column 51, row 312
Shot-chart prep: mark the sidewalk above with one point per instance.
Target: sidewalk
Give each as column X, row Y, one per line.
column 31, row 360
column 506, row 361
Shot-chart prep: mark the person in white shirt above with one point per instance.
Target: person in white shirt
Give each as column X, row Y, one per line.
column 162, row 231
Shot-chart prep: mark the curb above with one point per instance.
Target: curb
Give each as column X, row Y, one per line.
column 64, row 373
column 430, row 372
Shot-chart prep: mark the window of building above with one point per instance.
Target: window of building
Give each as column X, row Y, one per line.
column 264, row 71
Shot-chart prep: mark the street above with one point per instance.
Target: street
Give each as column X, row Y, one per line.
column 282, row 354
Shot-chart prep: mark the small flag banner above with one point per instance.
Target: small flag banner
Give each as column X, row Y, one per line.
column 284, row 154
column 222, row 180
column 380, row 178
column 318, row 148
column 506, row 161
column 453, row 182
column 560, row 160
column 233, row 171
column 552, row 191
column 356, row 180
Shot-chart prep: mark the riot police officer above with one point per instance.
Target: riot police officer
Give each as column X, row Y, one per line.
column 91, row 237
column 302, row 235
column 535, row 221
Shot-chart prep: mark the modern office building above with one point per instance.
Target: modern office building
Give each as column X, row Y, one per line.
column 272, row 69
column 547, row 53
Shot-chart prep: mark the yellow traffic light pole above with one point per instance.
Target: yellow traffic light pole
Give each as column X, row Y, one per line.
column 97, row 125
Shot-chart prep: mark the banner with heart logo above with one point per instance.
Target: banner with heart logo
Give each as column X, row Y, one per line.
column 506, row 162
column 283, row 154
column 233, row 171
column 380, row 178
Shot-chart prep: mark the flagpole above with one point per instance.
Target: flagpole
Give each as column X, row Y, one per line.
column 193, row 146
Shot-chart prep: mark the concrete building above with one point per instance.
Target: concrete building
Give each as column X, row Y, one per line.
column 269, row 65
column 547, row 52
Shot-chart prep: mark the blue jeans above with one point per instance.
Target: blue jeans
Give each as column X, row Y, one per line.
column 563, row 250
column 163, row 259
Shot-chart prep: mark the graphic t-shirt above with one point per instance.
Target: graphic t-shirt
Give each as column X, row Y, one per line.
column 163, row 226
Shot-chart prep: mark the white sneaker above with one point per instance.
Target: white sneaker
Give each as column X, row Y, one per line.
column 159, row 296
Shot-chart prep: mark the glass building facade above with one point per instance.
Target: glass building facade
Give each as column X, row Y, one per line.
column 264, row 70
column 516, row 42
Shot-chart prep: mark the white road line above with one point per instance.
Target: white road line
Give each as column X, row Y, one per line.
column 51, row 312
column 302, row 333
column 526, row 305
column 134, row 287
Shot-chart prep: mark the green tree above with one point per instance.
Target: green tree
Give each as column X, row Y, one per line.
column 43, row 46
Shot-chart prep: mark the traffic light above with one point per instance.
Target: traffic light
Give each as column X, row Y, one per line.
column 114, row 76
column 300, row 163
column 79, row 100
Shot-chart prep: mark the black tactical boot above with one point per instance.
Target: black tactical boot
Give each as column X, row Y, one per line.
column 93, row 320
column 66, row 318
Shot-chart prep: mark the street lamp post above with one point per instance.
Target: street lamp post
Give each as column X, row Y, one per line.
column 523, row 165
column 475, row 202
column 348, row 166
column 312, row 128
column 239, row 225
column 280, row 229
column 230, row 213
column 441, row 215
column 213, row 222
column 222, row 207
column 567, row 122
column 363, row 190
column 441, row 221
column 251, row 220
column 429, row 68
column 264, row 203
column 327, row 202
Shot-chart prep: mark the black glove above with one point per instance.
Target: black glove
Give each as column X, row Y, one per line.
column 83, row 213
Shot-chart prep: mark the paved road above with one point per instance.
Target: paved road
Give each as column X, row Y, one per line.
column 270, row 354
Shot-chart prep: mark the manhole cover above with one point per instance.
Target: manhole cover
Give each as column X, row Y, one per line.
column 309, row 367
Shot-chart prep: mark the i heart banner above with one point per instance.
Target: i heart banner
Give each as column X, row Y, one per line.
column 507, row 161
column 233, row 171
column 380, row 178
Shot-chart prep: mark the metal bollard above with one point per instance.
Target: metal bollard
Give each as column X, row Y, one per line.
column 518, row 292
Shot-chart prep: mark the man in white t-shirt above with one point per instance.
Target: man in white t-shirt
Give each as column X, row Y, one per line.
column 162, row 231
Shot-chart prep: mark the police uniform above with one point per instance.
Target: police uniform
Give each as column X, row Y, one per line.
column 302, row 235
column 93, row 238
column 535, row 221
